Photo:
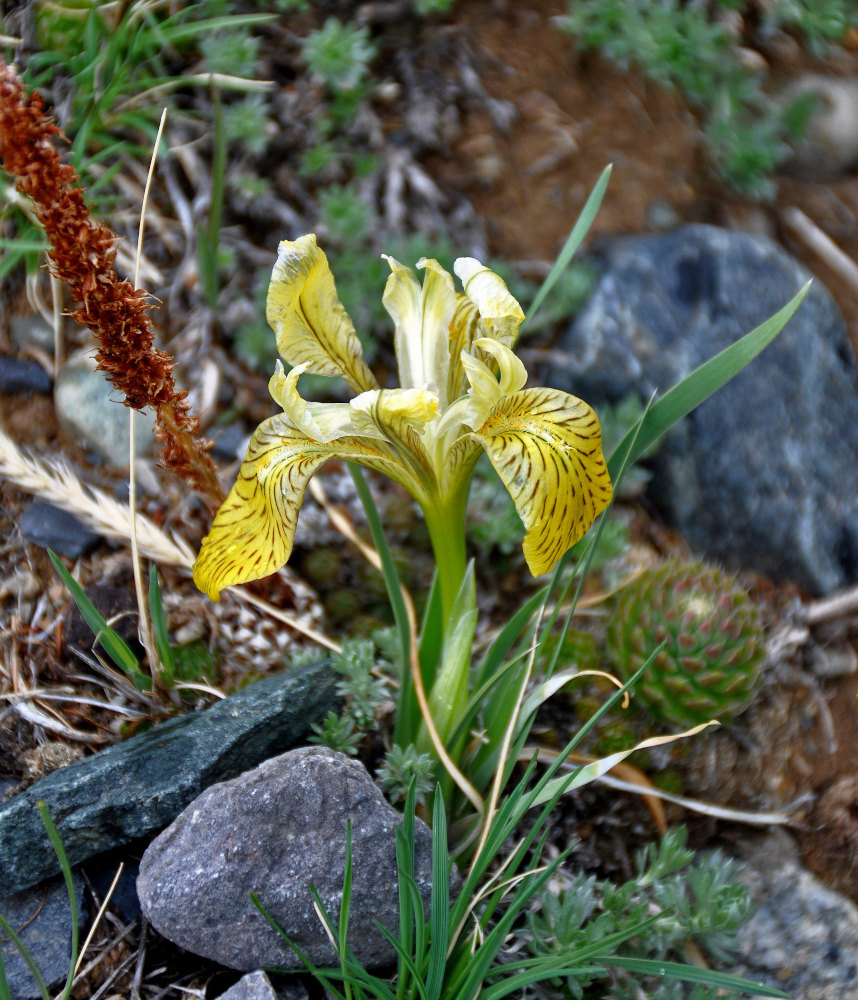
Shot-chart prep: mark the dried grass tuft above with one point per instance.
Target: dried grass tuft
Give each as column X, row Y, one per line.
column 57, row 483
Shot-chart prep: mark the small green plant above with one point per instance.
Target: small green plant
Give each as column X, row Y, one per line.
column 339, row 55
column 176, row 665
column 699, row 901
column 686, row 46
column 110, row 82
column 712, row 638
column 458, row 953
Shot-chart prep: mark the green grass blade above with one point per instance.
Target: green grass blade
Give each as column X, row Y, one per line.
column 573, row 241
column 692, row 974
column 159, row 630
column 113, row 644
column 5, row 993
column 9, row 931
column 388, row 567
column 62, row 857
column 700, row 384
column 439, row 909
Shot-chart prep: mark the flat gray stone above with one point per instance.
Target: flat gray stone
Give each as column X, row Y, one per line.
column 277, row 831
column 43, row 524
column 135, row 788
column 803, row 938
column 253, row 986
column 90, row 410
column 41, row 916
column 764, row 474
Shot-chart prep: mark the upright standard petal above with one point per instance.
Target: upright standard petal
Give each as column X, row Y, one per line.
column 500, row 313
column 254, row 529
column 421, row 317
column 310, row 322
column 547, row 449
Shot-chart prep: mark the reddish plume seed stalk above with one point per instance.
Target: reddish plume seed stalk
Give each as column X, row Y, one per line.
column 81, row 255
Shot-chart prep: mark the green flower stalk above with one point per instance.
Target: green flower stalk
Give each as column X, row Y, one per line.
column 461, row 392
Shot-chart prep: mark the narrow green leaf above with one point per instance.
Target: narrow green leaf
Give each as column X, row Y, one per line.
column 439, row 908
column 388, row 567
column 700, row 384
column 113, row 644
column 62, row 857
column 573, row 241
column 692, row 974
column 15, row 938
column 5, row 993
column 159, row 630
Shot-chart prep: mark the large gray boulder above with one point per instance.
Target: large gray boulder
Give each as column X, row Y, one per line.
column 277, row 831
column 136, row 788
column 764, row 475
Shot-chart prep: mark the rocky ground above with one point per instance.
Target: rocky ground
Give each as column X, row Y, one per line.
column 488, row 132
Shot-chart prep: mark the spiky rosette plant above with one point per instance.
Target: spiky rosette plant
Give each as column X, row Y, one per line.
column 713, row 635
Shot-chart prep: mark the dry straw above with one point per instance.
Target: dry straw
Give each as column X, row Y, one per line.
column 57, row 483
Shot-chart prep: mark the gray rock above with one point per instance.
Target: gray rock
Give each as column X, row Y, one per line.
column 89, row 409
column 764, row 474
column 803, row 938
column 253, row 986
column 42, row 918
column 23, row 375
column 829, row 145
column 32, row 331
column 277, row 831
column 43, row 524
column 136, row 788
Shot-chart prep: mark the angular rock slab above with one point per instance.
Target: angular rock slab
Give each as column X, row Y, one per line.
column 277, row 831
column 135, row 788
column 42, row 918
column 253, row 986
column 764, row 474
column 803, row 937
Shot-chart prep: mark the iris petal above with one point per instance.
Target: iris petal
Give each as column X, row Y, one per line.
column 546, row 446
column 254, row 529
column 310, row 322
column 500, row 314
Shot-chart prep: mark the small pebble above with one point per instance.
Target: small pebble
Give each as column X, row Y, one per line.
column 23, row 375
column 43, row 524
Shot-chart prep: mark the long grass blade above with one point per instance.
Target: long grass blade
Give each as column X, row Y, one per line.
column 573, row 241
column 391, row 577
column 700, row 384
column 693, row 974
column 114, row 645
column 62, row 857
column 439, row 910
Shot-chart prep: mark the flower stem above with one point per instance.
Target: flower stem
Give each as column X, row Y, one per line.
column 445, row 520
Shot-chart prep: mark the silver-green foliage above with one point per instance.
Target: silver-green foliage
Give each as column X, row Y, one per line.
column 691, row 900
column 688, row 47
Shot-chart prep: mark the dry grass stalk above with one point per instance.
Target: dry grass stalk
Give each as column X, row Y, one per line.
column 82, row 255
column 58, row 484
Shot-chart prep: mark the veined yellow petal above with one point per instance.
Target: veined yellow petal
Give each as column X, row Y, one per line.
column 254, row 529
column 311, row 325
column 318, row 421
column 421, row 317
column 464, row 330
column 486, row 387
column 399, row 415
column 547, row 449
column 512, row 373
column 500, row 314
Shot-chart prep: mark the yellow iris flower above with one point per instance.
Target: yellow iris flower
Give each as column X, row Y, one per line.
column 461, row 392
